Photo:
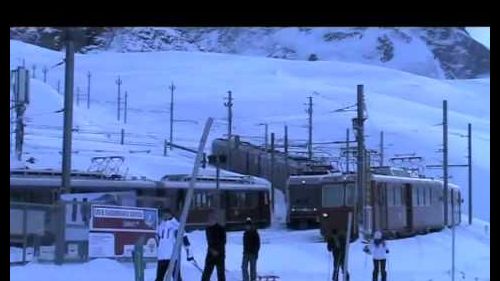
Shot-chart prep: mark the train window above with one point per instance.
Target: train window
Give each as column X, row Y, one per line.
column 333, row 195
column 419, row 198
column 414, row 196
column 252, row 199
column 424, row 196
column 429, row 195
column 350, row 194
column 390, row 199
column 397, row 195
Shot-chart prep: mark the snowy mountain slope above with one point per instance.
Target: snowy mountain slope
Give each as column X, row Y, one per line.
column 301, row 255
column 434, row 52
column 406, row 106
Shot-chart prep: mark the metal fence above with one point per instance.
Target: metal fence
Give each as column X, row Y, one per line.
column 39, row 232
column 36, row 230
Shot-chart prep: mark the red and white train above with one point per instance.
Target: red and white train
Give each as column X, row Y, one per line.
column 241, row 196
column 401, row 205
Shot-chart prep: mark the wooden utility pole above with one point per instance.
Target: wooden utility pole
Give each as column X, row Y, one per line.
column 88, row 89
column 286, row 151
column 172, row 89
column 68, row 111
column 67, row 138
column 125, row 108
column 286, row 141
column 266, row 137
column 381, row 149
column 347, row 151
column 229, row 105
column 310, row 129
column 45, row 70
column 77, row 96
column 361, row 195
column 469, row 163
column 272, row 172
column 119, row 83
column 445, row 160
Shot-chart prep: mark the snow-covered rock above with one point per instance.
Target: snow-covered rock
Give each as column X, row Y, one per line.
column 434, row 52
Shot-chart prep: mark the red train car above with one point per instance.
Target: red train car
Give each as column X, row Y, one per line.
column 401, row 205
column 303, row 195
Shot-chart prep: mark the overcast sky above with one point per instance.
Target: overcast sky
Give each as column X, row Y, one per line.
column 481, row 34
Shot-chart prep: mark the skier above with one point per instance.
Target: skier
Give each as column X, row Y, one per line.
column 166, row 235
column 378, row 249
column 251, row 246
column 216, row 254
column 336, row 245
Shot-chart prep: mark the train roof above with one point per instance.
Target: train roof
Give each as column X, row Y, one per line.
column 171, row 181
column 414, row 179
column 225, row 182
column 53, row 172
column 338, row 177
column 56, row 181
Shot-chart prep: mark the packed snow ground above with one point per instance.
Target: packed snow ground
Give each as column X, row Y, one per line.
column 301, row 255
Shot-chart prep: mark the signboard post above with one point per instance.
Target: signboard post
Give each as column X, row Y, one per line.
column 114, row 230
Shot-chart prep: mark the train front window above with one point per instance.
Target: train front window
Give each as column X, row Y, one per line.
column 304, row 196
column 333, row 195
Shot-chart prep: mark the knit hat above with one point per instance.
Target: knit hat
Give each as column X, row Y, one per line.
column 248, row 221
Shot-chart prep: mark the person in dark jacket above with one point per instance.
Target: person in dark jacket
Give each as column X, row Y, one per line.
column 216, row 253
column 336, row 244
column 251, row 246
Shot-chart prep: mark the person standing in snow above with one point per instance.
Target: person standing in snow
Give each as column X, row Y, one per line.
column 216, row 253
column 166, row 235
column 336, row 244
column 378, row 249
column 251, row 246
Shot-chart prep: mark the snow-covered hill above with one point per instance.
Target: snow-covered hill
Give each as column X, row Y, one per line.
column 433, row 52
column 405, row 106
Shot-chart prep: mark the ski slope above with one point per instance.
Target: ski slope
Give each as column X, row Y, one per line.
column 407, row 107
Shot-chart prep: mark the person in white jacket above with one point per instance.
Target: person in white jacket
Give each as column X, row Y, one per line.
column 379, row 250
column 166, row 235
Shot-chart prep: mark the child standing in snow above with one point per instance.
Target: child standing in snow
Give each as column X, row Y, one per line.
column 378, row 249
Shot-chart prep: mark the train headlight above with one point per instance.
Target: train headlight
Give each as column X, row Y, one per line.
column 324, row 215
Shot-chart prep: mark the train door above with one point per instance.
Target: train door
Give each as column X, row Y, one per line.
column 450, row 207
column 408, row 205
column 247, row 163
column 383, row 201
